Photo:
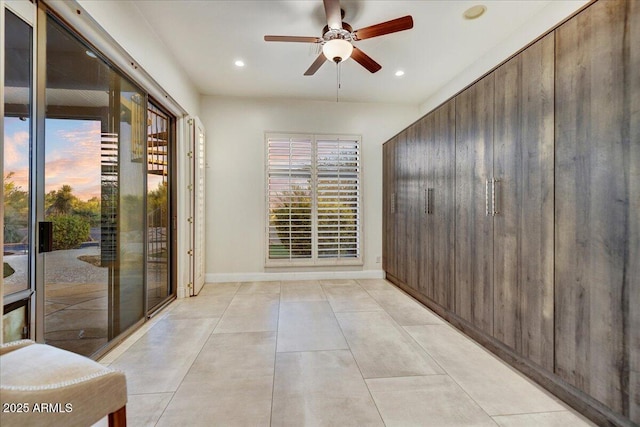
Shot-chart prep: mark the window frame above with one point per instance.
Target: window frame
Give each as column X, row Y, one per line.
column 314, row 260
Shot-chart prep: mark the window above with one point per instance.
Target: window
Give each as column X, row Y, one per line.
column 314, row 213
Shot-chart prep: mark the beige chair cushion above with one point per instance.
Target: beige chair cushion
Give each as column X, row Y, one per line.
column 57, row 388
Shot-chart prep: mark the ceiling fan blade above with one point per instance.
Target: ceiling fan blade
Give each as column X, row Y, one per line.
column 365, row 60
column 321, row 59
column 297, row 39
column 334, row 15
column 393, row 26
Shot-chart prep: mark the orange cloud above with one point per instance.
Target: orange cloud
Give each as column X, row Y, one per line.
column 73, row 158
column 16, row 157
column 16, row 150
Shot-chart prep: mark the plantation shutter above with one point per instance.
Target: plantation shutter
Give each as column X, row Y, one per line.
column 338, row 196
column 290, row 198
column 314, row 214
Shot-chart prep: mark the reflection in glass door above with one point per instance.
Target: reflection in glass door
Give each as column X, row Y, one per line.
column 16, row 155
column 94, row 171
column 159, row 233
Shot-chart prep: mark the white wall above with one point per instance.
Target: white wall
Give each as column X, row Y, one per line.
column 126, row 25
column 555, row 12
column 235, row 180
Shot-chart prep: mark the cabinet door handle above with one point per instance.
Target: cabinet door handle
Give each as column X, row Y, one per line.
column 430, row 200
column 486, row 197
column 426, row 201
column 494, row 198
column 393, row 202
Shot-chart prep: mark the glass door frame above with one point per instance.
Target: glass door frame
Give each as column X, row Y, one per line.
column 26, row 11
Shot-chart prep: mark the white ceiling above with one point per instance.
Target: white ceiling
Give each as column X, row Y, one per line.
column 206, row 37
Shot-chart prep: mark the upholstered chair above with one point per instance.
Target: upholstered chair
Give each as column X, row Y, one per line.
column 41, row 385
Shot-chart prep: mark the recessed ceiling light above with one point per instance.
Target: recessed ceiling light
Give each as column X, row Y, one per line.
column 239, row 63
column 399, row 73
column 475, row 12
column 90, row 54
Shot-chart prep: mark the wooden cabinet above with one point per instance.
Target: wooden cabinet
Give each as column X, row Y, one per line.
column 419, row 196
column 597, row 204
column 437, row 227
column 523, row 311
column 504, row 203
column 524, row 194
column 473, row 221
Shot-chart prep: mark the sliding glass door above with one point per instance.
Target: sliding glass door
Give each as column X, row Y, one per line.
column 94, row 175
column 88, row 202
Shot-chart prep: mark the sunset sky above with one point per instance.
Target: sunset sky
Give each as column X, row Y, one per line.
column 72, row 155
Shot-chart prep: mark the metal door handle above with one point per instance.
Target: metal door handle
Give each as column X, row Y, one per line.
column 393, row 202
column 493, row 197
column 45, row 236
column 426, row 201
column 486, row 197
column 430, row 200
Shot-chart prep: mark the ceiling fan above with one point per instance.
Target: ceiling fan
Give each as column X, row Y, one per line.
column 338, row 37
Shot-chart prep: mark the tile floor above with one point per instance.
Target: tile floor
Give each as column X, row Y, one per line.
column 333, row 353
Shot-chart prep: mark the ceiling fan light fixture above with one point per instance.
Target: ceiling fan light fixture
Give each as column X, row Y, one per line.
column 337, row 50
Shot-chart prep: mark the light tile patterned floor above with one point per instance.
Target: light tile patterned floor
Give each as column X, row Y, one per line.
column 319, row 353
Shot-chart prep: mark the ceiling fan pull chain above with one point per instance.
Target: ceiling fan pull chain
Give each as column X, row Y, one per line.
column 337, row 81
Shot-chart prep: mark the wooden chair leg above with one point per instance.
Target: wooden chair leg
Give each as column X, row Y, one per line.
column 118, row 418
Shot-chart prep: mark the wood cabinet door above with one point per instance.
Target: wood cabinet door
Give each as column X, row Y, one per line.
column 426, row 131
column 388, row 194
column 597, row 207
column 441, row 169
column 412, row 183
column 474, row 228
column 401, row 207
column 523, row 221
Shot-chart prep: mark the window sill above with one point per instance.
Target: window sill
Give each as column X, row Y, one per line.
column 314, row 263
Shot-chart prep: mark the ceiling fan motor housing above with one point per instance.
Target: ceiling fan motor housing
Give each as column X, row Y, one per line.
column 343, row 33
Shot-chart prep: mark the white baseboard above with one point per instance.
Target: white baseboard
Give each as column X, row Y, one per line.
column 298, row 275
